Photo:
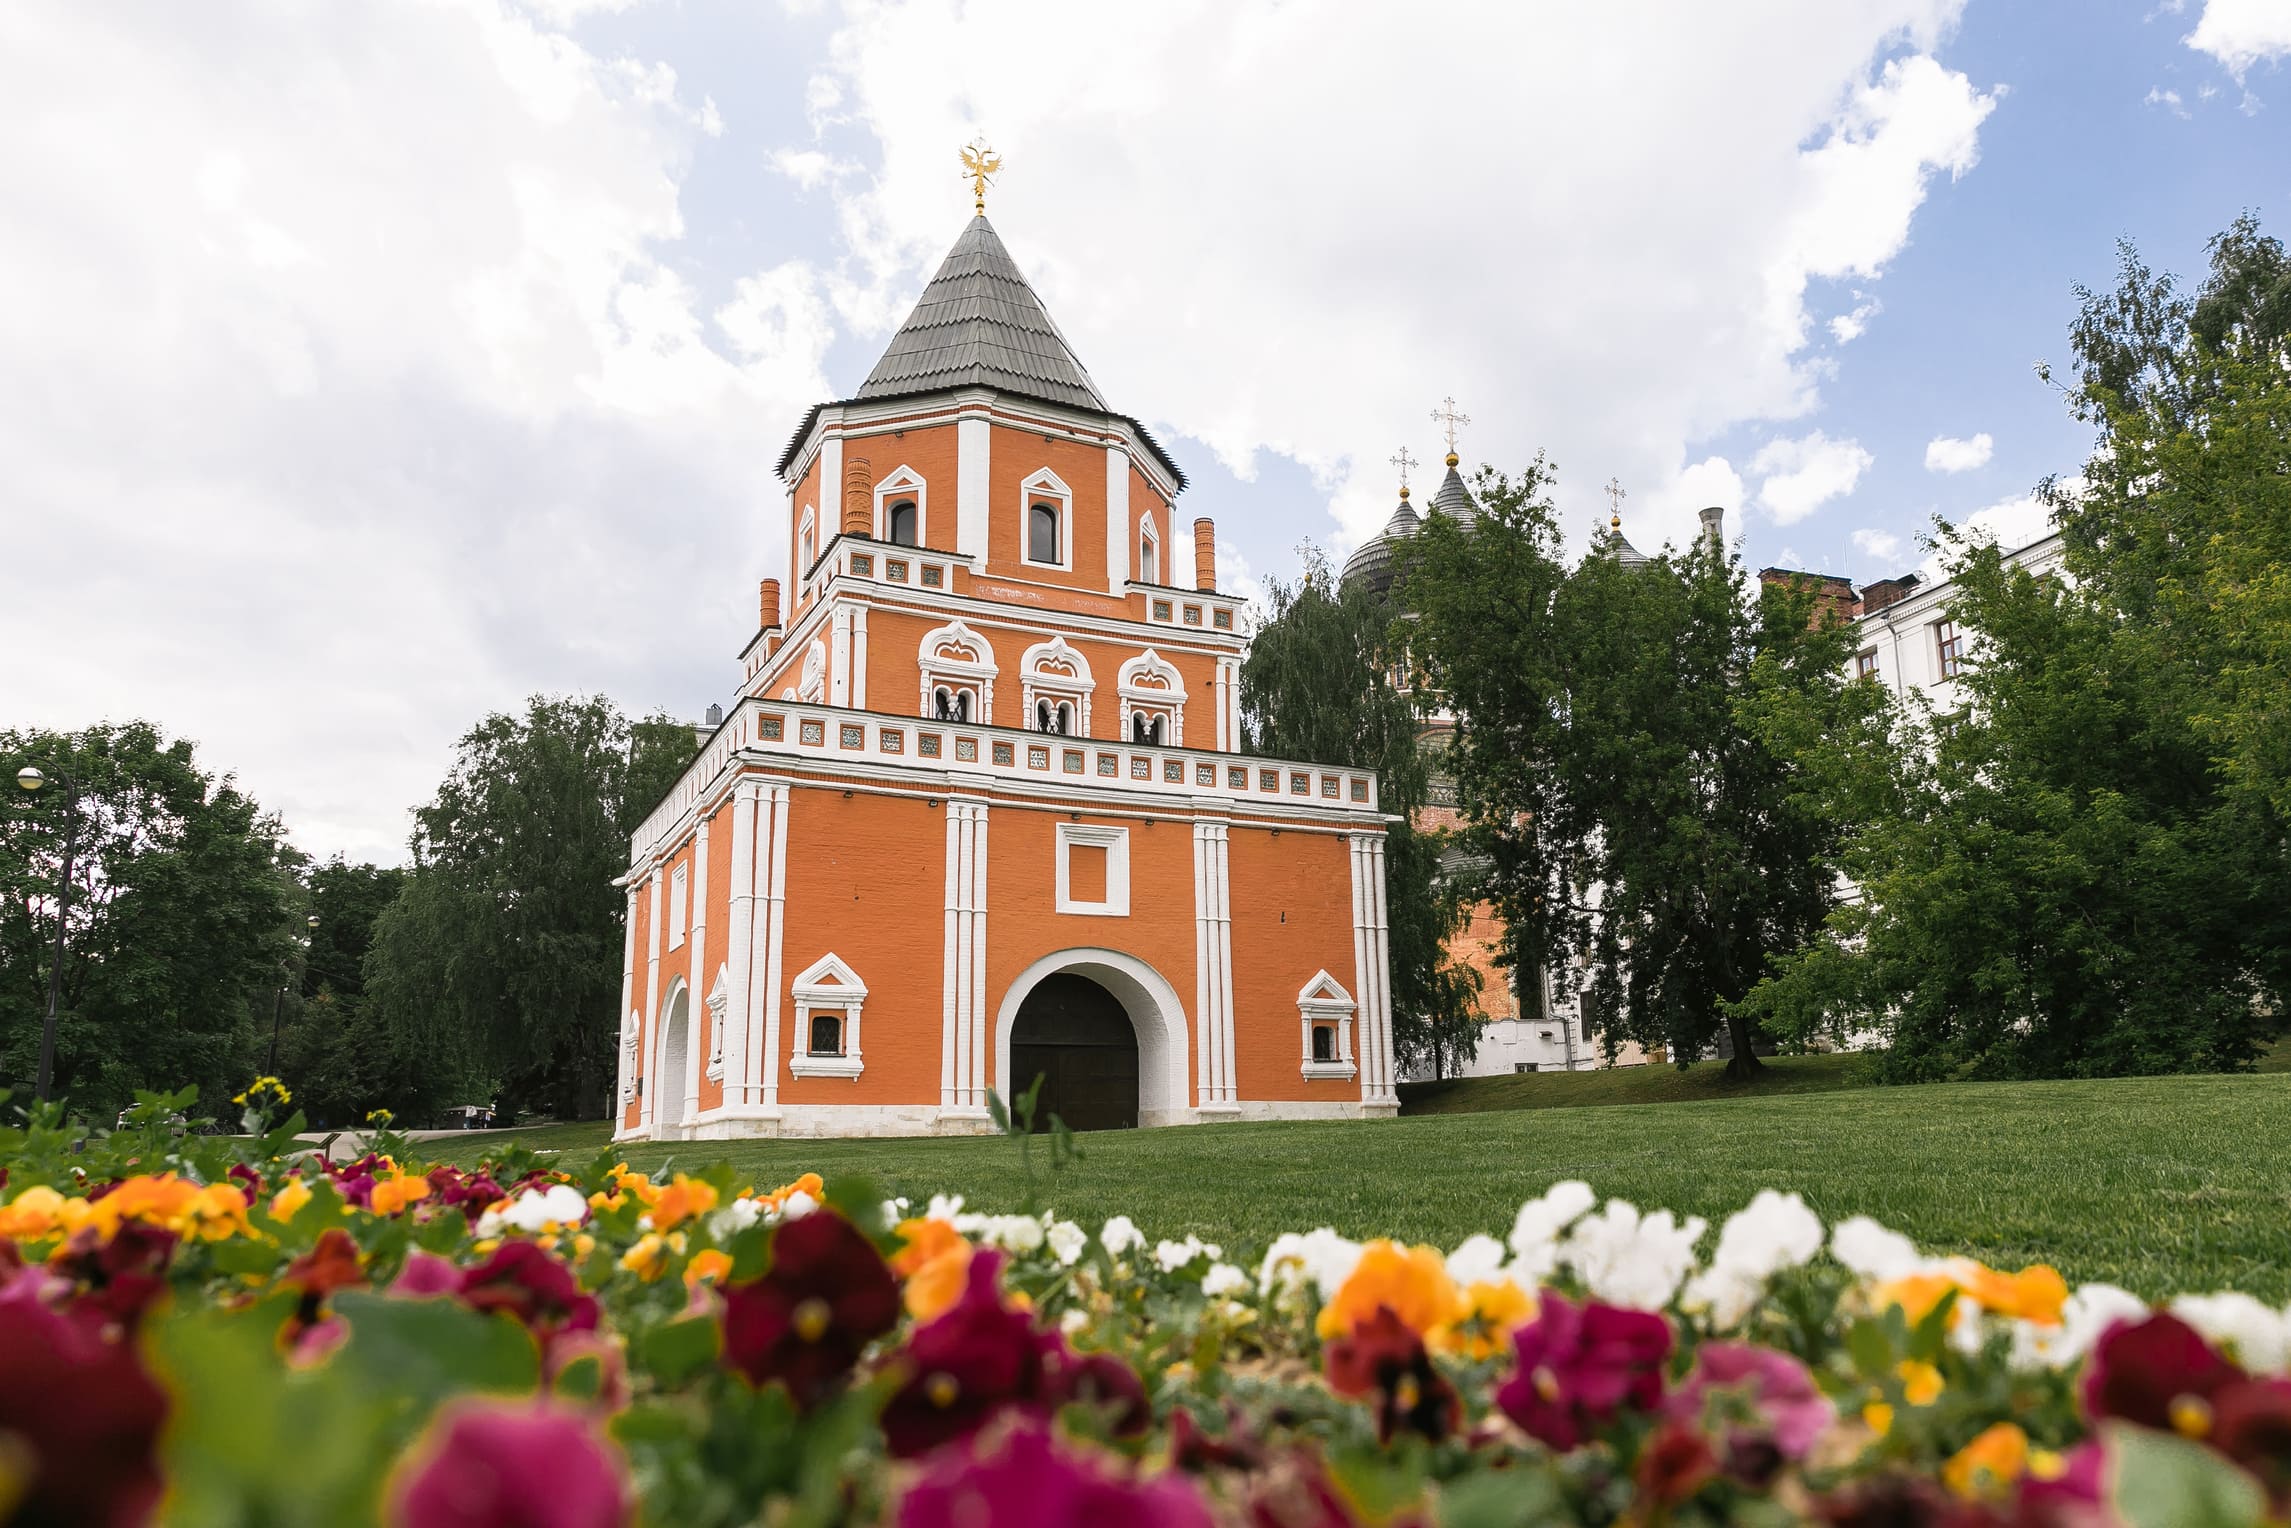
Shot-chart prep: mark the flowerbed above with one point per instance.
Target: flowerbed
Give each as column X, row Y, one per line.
column 219, row 1331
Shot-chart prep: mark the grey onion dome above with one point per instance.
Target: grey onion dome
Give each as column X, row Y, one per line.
column 1621, row 550
column 1371, row 562
column 1453, row 498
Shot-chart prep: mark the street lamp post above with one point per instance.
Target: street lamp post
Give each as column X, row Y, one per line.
column 278, row 998
column 31, row 779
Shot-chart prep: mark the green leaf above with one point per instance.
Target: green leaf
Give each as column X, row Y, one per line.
column 1514, row 1498
column 1871, row 1349
column 674, row 1351
column 2159, row 1480
column 425, row 1350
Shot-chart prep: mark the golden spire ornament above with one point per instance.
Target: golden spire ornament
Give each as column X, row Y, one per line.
column 980, row 165
column 1615, row 498
column 1448, row 417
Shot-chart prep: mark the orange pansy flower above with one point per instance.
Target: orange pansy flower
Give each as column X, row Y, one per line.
column 2036, row 1293
column 1411, row 1282
column 396, row 1193
column 1985, row 1469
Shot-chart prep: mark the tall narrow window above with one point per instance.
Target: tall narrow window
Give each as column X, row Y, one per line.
column 1042, row 533
column 678, row 885
column 803, row 551
column 1949, row 644
column 950, row 705
column 1865, row 663
column 1149, row 558
column 902, row 526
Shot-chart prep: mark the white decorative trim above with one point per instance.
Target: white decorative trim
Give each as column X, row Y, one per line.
column 1046, row 485
column 962, row 984
column 806, row 546
column 1116, row 843
column 1213, row 962
column 813, row 687
column 631, row 1047
column 719, row 1007
column 1076, row 686
column 668, row 1104
column 827, row 983
column 1154, row 1012
column 974, row 447
column 1149, row 540
column 679, row 903
column 1151, row 683
column 903, row 483
column 1117, row 518
column 938, row 668
column 1324, row 1000
column 1372, row 967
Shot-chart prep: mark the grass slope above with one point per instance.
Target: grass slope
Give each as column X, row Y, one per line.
column 2160, row 1184
column 1705, row 1081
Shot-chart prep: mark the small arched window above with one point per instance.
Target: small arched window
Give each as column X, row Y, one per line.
column 1324, row 1042
column 1054, row 716
column 1148, row 729
column 950, row 705
column 827, row 1034
column 1149, row 559
column 902, row 524
column 1042, row 533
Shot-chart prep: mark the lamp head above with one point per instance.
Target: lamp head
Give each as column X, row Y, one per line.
column 312, row 920
column 30, row 777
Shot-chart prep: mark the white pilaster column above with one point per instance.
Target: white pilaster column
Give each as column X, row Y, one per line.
column 839, row 656
column 1229, row 1082
column 963, row 1050
column 1232, row 714
column 830, row 494
column 771, row 908
column 699, row 1041
column 739, row 957
column 652, row 1008
column 1213, row 965
column 622, row 1062
column 1373, row 967
column 1117, row 518
column 858, row 684
column 974, row 438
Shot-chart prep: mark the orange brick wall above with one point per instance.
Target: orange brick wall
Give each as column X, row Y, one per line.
column 719, row 831
column 1292, row 916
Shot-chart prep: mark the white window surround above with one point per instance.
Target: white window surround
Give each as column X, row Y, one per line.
column 1149, row 552
column 814, row 686
column 679, row 888
column 1116, row 843
column 903, row 483
column 1053, row 671
column 719, row 1003
column 942, row 664
column 1045, row 487
column 806, row 547
column 632, row 1042
column 827, row 983
column 1323, row 1000
column 1151, row 683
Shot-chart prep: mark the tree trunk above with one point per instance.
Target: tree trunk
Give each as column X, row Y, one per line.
column 1744, row 1064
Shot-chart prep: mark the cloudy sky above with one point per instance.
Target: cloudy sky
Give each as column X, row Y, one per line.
column 368, row 367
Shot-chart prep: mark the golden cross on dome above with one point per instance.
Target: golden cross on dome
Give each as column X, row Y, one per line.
column 1615, row 498
column 1448, row 417
column 979, row 166
column 1403, row 461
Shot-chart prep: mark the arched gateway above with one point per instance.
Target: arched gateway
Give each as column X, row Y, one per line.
column 1076, row 1036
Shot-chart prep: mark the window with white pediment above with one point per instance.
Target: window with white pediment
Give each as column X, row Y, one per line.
column 1057, row 686
column 813, row 687
column 1153, row 700
column 829, row 997
column 719, row 1004
column 900, row 507
column 1149, row 553
column 1046, row 521
column 958, row 675
column 1325, row 1012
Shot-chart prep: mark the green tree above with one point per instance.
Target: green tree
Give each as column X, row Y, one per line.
column 336, row 1053
column 1318, row 685
column 2085, row 873
column 501, row 956
column 183, row 909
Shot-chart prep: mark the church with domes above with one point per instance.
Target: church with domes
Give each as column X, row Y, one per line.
column 979, row 815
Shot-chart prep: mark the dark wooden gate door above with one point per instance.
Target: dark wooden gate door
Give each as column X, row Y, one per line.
column 1074, row 1034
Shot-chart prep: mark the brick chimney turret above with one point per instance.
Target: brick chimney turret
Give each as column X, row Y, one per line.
column 768, row 604
column 1205, row 555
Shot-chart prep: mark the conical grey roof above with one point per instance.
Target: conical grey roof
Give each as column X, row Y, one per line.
column 979, row 323
column 1453, row 498
column 1371, row 563
column 1625, row 553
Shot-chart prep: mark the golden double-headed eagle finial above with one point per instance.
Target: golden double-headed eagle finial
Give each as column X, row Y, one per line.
column 979, row 166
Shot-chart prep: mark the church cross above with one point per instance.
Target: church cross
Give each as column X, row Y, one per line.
column 979, row 166
column 1403, row 461
column 1615, row 498
column 1448, row 417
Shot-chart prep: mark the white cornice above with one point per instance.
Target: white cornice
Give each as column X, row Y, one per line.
column 861, row 419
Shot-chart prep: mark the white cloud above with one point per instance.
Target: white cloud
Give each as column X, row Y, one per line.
column 2168, row 99
column 1850, row 326
column 1190, row 187
column 2011, row 523
column 366, row 391
column 1802, row 475
column 1946, row 453
column 2240, row 33
column 1880, row 547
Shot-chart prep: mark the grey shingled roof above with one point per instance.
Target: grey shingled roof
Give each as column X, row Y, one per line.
column 978, row 324
column 1454, row 498
column 1371, row 562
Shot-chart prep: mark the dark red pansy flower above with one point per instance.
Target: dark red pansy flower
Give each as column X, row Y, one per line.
column 469, row 1193
column 330, row 1264
column 1384, row 1358
column 827, row 1294
column 83, row 1418
column 1676, row 1463
column 2140, row 1370
column 1581, row 1366
column 494, row 1464
column 1107, row 1387
column 246, row 1178
column 117, row 1279
column 966, row 1366
column 522, row 1279
column 1023, row 1480
column 1192, row 1449
column 2251, row 1424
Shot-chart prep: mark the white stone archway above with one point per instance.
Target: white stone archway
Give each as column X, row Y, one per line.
column 1154, row 1012
column 675, row 1060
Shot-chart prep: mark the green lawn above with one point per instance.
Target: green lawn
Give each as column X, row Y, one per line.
column 2160, row 1184
column 1703, row 1082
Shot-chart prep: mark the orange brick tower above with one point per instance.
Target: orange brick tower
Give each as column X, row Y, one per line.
column 979, row 813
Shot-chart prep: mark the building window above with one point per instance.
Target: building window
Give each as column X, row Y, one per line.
column 903, row 524
column 1056, row 687
column 806, row 547
column 1147, row 729
column 1865, row 663
column 1055, row 717
column 1093, row 872
column 1949, row 646
column 949, row 704
column 1042, row 533
column 1149, row 556
column 1325, row 1012
column 679, row 884
column 901, row 501
column 829, row 1001
column 958, row 675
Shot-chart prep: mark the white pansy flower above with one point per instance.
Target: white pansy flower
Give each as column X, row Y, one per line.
column 1628, row 1259
column 1873, row 1252
column 557, row 1206
column 1535, row 1232
column 2254, row 1335
column 1074, row 1322
column 1775, row 1232
column 1013, row 1233
column 1120, row 1235
column 737, row 1216
column 944, row 1207
column 2083, row 1318
column 797, row 1205
column 1223, row 1279
column 1172, row 1255
column 1067, row 1241
column 1320, row 1258
column 1478, row 1261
